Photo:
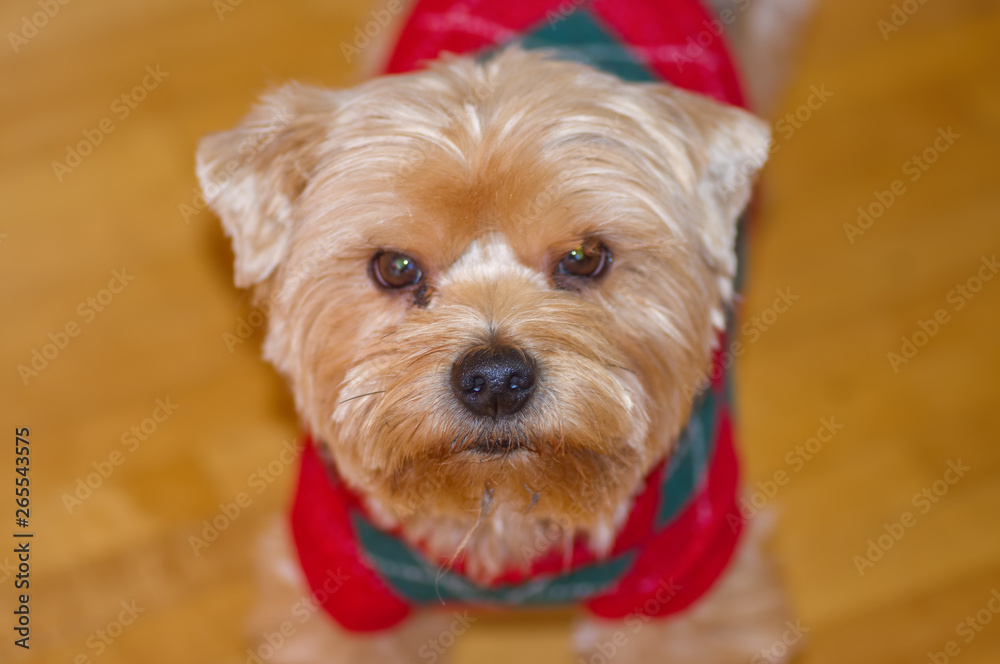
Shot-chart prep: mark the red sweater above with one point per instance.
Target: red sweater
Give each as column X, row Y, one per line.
column 684, row 523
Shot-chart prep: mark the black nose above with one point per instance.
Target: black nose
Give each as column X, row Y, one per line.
column 494, row 382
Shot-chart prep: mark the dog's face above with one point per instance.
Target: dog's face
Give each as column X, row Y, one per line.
column 489, row 283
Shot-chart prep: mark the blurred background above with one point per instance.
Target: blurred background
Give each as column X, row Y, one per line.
column 869, row 406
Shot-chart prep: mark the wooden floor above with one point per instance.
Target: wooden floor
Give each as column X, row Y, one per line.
column 116, row 220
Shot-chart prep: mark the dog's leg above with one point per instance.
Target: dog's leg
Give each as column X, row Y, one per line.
column 765, row 35
column 373, row 56
column 289, row 628
column 744, row 616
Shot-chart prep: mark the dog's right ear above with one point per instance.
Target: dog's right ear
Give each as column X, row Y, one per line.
column 252, row 175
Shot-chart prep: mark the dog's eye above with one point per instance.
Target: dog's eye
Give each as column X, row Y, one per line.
column 395, row 270
column 591, row 259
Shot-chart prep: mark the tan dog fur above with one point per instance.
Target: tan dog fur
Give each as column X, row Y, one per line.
column 487, row 174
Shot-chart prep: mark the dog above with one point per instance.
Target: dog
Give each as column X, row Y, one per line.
column 498, row 286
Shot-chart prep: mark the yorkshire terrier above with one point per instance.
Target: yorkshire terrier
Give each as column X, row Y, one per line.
column 498, row 287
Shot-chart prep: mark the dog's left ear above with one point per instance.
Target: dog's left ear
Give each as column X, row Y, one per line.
column 727, row 146
column 252, row 175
